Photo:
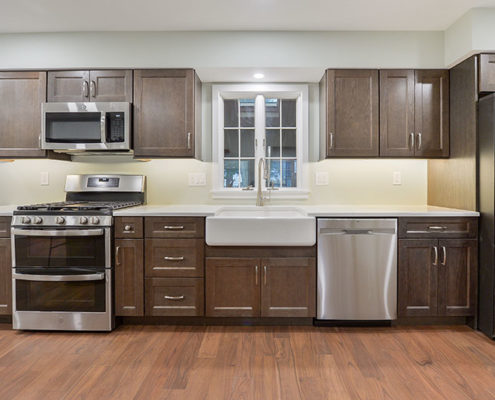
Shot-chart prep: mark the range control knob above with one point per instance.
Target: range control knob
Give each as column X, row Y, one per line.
column 37, row 220
column 26, row 220
column 60, row 220
column 94, row 220
column 83, row 220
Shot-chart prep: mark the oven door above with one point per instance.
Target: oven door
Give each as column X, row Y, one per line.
column 62, row 279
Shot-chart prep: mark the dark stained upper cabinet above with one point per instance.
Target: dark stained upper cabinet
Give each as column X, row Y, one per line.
column 94, row 85
column 432, row 113
column 486, row 81
column 414, row 113
column 167, row 113
column 349, row 113
column 397, row 113
column 21, row 95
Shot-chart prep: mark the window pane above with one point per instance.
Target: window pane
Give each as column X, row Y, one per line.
column 272, row 112
column 231, row 143
column 289, row 143
column 274, row 177
column 289, row 173
column 247, row 142
column 247, row 113
column 273, row 143
column 289, row 113
column 231, row 177
column 247, row 173
column 230, row 113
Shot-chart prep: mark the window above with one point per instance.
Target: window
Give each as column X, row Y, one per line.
column 251, row 122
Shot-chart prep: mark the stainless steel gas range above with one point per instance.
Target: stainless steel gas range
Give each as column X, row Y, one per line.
column 62, row 261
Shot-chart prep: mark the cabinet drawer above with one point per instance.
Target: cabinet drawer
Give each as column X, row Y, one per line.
column 174, row 257
column 175, row 227
column 5, row 227
column 422, row 228
column 174, row 297
column 128, row 227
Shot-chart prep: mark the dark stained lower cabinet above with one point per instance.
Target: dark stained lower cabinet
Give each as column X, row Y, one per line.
column 266, row 287
column 5, row 278
column 437, row 277
column 486, row 82
column 174, row 297
column 232, row 287
column 129, row 278
column 289, row 287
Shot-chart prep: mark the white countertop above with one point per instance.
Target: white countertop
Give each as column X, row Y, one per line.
column 312, row 210
column 6, row 211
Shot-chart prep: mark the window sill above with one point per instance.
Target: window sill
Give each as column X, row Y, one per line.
column 295, row 194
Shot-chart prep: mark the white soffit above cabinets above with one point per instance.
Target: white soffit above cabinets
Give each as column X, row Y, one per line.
column 198, row 15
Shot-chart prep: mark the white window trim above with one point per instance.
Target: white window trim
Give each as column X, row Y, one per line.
column 226, row 91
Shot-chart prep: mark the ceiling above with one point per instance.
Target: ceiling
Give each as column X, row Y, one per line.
column 198, row 15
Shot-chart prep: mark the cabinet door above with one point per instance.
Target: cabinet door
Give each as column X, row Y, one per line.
column 352, row 113
column 487, row 73
column 21, row 95
column 5, row 278
column 233, row 287
column 432, row 113
column 397, row 113
column 418, row 277
column 458, row 277
column 68, row 86
column 164, row 113
column 288, row 287
column 111, row 85
column 129, row 277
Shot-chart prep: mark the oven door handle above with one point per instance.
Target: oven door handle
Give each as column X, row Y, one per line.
column 59, row 278
column 66, row 232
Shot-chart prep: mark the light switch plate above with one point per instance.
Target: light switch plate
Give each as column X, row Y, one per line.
column 321, row 178
column 44, row 179
column 197, row 179
column 396, row 178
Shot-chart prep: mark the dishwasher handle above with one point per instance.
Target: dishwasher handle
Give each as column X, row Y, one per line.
column 330, row 231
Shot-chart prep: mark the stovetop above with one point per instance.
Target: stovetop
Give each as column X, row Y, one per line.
column 75, row 206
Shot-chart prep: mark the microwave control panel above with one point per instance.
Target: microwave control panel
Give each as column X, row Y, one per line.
column 115, row 127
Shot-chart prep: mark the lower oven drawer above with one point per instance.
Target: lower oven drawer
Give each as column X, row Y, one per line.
column 174, row 297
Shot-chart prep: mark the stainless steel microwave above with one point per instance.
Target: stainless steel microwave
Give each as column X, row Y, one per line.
column 86, row 126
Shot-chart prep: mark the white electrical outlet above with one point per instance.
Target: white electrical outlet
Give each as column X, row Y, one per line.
column 321, row 178
column 197, row 179
column 396, row 178
column 44, row 179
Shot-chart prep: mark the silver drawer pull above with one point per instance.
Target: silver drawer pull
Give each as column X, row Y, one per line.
column 437, row 228
column 166, row 258
column 175, row 298
column 173, row 227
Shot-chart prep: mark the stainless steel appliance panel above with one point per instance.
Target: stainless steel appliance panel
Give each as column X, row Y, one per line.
column 357, row 269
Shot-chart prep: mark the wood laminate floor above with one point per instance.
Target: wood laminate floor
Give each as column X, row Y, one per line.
column 188, row 363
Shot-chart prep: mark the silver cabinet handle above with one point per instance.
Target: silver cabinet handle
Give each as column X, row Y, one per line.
column 189, row 140
column 331, row 140
column 175, row 298
column 264, row 275
column 444, row 261
column 173, row 227
column 256, row 275
column 128, row 229
column 437, row 228
column 85, row 89
column 435, row 249
column 412, row 140
column 166, row 258
column 59, row 278
column 93, row 89
column 117, row 258
column 420, row 141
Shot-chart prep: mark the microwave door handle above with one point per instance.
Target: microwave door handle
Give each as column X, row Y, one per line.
column 66, row 232
column 103, row 126
column 59, row 278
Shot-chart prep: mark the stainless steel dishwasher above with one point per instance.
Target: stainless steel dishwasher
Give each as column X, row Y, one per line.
column 357, row 269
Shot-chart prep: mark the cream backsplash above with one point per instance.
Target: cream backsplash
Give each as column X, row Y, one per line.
column 351, row 181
